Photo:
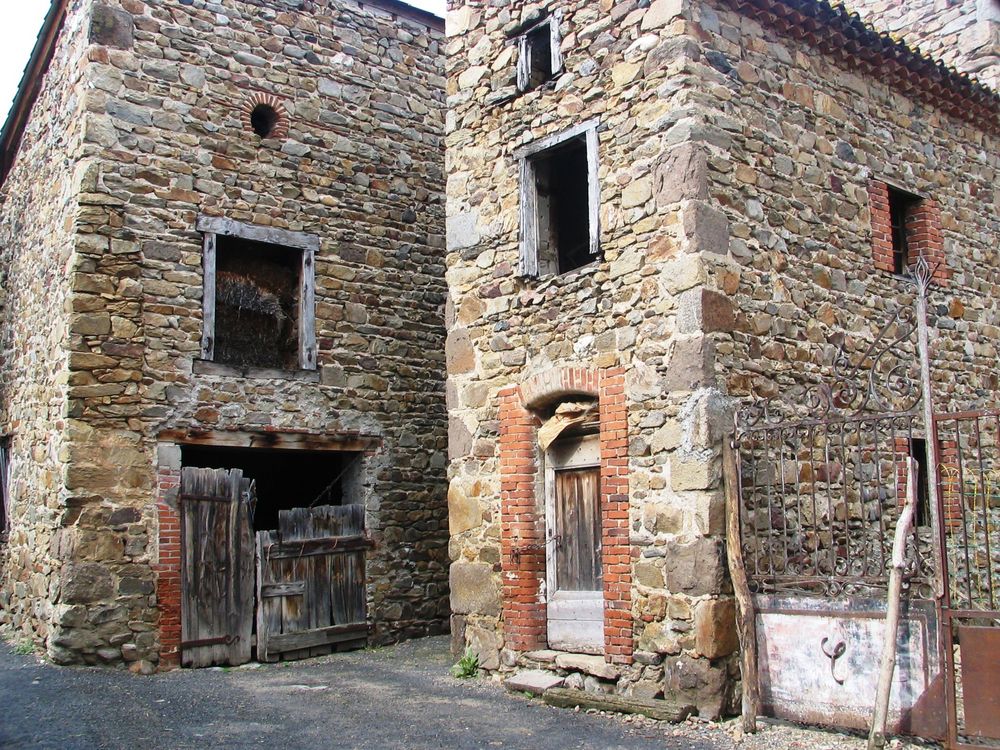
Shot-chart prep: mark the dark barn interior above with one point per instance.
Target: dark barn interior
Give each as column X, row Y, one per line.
column 285, row 478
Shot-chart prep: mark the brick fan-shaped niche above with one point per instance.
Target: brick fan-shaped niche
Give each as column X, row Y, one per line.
column 265, row 116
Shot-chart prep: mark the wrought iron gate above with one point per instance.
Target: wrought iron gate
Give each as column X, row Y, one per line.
column 821, row 474
column 969, row 445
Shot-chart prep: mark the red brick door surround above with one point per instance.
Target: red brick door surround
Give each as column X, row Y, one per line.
column 522, row 509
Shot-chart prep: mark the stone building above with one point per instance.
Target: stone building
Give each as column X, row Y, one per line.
column 222, row 245
column 655, row 209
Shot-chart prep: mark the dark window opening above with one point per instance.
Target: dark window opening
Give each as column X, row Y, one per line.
column 4, row 488
column 918, row 451
column 257, row 304
column 563, row 207
column 286, row 478
column 263, row 120
column 901, row 205
column 539, row 48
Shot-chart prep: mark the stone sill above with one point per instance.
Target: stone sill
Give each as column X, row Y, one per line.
column 204, row 367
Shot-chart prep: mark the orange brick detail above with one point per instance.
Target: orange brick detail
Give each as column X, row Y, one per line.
column 168, row 568
column 522, row 512
column 923, row 230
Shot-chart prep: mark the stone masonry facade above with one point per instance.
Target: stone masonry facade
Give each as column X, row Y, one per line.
column 744, row 157
column 141, row 129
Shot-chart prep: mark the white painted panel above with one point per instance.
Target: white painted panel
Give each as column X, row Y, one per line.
column 799, row 680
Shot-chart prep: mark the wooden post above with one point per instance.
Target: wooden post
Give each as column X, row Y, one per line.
column 745, row 624
column 876, row 738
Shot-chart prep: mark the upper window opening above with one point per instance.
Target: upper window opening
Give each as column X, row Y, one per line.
column 918, row 451
column 559, row 204
column 263, row 120
column 256, row 304
column 539, row 57
column 901, row 210
column 259, row 296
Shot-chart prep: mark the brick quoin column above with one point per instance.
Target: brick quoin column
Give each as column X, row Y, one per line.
column 615, row 548
column 522, row 531
column 521, row 511
column 168, row 568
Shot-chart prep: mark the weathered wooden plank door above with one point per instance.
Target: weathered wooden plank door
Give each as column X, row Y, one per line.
column 217, row 567
column 575, row 606
column 311, row 583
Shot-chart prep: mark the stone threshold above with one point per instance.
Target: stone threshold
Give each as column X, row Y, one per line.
column 550, row 659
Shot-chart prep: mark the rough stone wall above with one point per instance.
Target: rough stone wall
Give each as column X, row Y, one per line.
column 798, row 141
column 38, row 208
column 962, row 33
column 168, row 86
column 644, row 308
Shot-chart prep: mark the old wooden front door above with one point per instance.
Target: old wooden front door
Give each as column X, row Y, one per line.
column 217, row 567
column 574, row 587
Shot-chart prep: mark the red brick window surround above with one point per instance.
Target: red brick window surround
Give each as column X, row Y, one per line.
column 905, row 227
column 522, row 511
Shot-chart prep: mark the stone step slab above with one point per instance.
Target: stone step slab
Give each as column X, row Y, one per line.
column 545, row 656
column 534, row 681
column 592, row 665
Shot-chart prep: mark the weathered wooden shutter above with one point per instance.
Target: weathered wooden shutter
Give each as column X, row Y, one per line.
column 311, row 582
column 217, row 567
column 593, row 193
column 529, row 219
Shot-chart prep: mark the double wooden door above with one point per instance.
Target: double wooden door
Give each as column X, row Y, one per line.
column 307, row 578
column 574, row 580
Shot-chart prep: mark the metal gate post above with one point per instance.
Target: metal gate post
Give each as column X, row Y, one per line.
column 922, row 275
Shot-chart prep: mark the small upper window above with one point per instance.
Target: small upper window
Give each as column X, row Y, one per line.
column 559, row 202
column 259, row 296
column 4, row 487
column 539, row 57
column 901, row 212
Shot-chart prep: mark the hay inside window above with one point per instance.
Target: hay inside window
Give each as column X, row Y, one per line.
column 257, row 304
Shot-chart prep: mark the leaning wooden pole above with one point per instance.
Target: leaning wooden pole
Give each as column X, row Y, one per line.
column 876, row 738
column 745, row 626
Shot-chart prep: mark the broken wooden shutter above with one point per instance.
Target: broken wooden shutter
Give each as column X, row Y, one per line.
column 529, row 219
column 217, row 567
column 208, row 297
column 594, row 193
column 311, row 582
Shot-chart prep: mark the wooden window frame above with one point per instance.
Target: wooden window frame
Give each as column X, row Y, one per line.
column 5, row 464
column 524, row 51
column 211, row 228
column 526, row 157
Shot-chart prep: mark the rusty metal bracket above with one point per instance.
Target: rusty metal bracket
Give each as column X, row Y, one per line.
column 838, row 650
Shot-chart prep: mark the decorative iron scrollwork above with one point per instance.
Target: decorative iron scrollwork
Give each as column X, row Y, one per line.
column 885, row 378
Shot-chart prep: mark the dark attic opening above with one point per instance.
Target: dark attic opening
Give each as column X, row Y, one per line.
column 286, row 478
column 539, row 55
column 563, row 207
column 257, row 292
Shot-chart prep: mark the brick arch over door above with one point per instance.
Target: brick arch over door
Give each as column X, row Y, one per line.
column 522, row 512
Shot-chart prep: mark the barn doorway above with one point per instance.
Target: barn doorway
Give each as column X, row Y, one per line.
column 286, row 478
column 280, row 536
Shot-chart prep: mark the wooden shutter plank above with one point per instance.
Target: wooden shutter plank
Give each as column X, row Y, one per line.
column 208, row 297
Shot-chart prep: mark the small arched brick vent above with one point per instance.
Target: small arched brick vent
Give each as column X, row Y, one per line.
column 266, row 116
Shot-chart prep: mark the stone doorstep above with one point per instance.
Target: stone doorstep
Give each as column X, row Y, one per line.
column 534, row 681
column 661, row 710
column 548, row 659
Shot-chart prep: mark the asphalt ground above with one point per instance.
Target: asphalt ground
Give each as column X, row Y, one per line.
column 396, row 697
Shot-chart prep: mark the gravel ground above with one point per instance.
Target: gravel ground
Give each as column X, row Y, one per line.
column 399, row 697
